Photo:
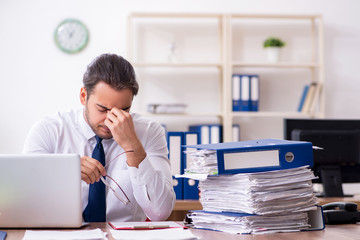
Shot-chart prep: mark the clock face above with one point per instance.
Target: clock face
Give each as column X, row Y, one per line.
column 71, row 36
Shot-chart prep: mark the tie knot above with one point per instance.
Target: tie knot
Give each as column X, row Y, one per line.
column 98, row 139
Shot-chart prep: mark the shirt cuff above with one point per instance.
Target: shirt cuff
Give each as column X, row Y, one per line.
column 142, row 175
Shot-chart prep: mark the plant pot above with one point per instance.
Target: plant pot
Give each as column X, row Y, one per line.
column 273, row 54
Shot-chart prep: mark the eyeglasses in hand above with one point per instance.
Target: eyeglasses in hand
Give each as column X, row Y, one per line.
column 118, row 191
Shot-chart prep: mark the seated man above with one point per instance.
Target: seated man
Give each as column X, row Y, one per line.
column 124, row 166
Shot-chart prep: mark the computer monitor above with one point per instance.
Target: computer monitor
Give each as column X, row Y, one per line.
column 339, row 160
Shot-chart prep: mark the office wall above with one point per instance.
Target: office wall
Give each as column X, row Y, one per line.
column 37, row 79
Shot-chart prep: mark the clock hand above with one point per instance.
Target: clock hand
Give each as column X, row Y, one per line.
column 71, row 33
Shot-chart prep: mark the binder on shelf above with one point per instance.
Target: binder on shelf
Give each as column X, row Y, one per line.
column 317, row 92
column 245, row 93
column 260, row 155
column 215, row 133
column 175, row 142
column 203, row 133
column 235, row 132
column 236, row 93
column 309, row 98
column 254, row 93
column 208, row 133
column 190, row 186
column 178, row 184
column 303, row 96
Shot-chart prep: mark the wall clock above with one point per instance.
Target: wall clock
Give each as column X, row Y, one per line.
column 71, row 36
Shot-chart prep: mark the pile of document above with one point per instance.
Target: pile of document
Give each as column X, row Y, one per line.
column 261, row 202
column 167, row 108
column 203, row 161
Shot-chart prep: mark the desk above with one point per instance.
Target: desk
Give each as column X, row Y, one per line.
column 183, row 206
column 332, row 232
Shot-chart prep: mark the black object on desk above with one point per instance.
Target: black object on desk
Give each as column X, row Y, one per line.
column 341, row 213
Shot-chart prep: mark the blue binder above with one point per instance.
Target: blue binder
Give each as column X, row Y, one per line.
column 245, row 93
column 235, row 132
column 236, row 92
column 208, row 133
column 203, row 133
column 260, row 155
column 254, row 93
column 191, row 190
column 2, row 235
column 175, row 142
column 303, row 96
column 178, row 184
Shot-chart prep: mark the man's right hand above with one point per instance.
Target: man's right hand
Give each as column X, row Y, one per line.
column 91, row 170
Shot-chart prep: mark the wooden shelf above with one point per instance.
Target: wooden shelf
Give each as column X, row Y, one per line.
column 269, row 114
column 181, row 114
column 178, row 65
column 226, row 62
column 275, row 65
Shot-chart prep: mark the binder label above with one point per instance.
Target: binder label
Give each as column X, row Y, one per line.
column 268, row 158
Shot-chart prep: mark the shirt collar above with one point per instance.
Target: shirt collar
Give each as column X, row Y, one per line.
column 86, row 129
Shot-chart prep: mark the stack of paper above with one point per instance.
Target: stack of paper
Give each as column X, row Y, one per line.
column 271, row 192
column 246, row 223
column 257, row 186
column 204, row 161
column 261, row 202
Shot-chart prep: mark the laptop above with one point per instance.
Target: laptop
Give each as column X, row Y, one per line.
column 40, row 191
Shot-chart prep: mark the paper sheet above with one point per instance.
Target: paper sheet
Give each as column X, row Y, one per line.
column 145, row 225
column 156, row 234
column 95, row 234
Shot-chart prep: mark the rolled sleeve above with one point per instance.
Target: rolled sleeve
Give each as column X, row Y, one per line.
column 143, row 174
column 153, row 188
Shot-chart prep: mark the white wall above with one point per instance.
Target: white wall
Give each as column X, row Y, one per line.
column 37, row 79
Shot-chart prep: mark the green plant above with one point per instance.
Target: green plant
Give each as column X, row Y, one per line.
column 273, row 42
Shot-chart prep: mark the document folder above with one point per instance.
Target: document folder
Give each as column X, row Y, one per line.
column 190, row 186
column 260, row 155
column 175, row 141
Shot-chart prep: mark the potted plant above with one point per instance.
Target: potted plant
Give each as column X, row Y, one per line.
column 273, row 46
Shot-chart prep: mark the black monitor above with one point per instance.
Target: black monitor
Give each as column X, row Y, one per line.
column 339, row 160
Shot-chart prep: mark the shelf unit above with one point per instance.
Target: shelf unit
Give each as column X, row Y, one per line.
column 226, row 62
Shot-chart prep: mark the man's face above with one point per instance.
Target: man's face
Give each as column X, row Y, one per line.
column 99, row 102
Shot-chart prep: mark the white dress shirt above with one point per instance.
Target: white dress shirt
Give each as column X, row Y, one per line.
column 149, row 187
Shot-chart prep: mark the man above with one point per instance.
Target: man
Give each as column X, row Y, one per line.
column 140, row 178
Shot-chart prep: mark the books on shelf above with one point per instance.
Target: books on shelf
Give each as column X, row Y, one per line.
column 309, row 97
column 303, row 96
column 245, row 92
column 208, row 133
column 213, row 133
column 258, row 199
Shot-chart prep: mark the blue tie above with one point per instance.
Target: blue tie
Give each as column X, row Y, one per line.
column 95, row 211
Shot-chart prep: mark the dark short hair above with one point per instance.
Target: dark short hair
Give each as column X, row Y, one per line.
column 113, row 70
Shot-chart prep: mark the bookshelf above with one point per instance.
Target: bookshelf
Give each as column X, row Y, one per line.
column 220, row 45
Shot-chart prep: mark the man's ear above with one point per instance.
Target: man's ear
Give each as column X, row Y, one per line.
column 83, row 96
